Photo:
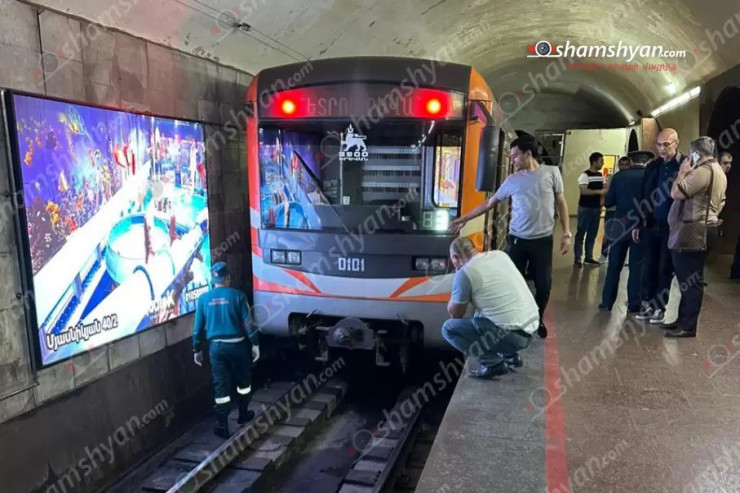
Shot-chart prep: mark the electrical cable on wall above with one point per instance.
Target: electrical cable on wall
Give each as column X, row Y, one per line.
column 239, row 27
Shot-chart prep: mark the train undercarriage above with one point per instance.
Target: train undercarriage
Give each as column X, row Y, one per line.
column 391, row 341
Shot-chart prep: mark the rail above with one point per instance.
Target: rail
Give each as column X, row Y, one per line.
column 239, row 443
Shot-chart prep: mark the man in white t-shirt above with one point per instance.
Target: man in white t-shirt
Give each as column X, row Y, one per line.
column 536, row 191
column 506, row 312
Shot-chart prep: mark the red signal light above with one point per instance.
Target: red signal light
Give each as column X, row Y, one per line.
column 346, row 100
column 288, row 107
column 432, row 103
column 434, row 106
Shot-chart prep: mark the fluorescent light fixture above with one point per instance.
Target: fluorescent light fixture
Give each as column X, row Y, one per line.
column 677, row 101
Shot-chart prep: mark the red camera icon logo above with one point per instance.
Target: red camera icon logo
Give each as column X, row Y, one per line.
column 541, row 49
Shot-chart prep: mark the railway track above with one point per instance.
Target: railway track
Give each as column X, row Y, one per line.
column 287, row 414
column 299, row 439
column 396, row 451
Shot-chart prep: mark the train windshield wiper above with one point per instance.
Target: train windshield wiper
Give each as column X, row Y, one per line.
column 317, row 185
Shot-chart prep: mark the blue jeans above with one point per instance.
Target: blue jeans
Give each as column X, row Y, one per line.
column 480, row 338
column 588, row 226
column 617, row 255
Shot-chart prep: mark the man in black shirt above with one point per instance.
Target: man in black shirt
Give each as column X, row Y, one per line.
column 591, row 183
column 654, row 199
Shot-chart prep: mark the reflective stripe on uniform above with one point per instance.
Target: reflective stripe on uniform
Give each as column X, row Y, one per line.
column 223, row 400
column 244, row 391
column 237, row 339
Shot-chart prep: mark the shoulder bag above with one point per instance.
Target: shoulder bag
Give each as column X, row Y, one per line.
column 690, row 236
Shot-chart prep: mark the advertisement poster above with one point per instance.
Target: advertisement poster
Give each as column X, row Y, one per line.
column 117, row 218
column 446, row 176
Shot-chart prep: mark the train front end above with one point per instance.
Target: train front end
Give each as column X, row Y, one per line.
column 354, row 177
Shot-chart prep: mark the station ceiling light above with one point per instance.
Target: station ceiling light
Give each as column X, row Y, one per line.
column 677, row 101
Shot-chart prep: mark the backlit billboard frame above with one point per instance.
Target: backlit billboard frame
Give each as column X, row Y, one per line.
column 148, row 229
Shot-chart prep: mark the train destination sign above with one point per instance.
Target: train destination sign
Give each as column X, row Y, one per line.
column 372, row 100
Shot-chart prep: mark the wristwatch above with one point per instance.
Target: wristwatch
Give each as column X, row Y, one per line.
column 568, row 235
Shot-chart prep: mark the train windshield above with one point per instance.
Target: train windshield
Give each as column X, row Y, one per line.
column 394, row 177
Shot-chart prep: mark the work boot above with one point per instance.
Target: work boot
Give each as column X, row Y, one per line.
column 245, row 418
column 222, row 421
column 222, row 431
column 245, row 415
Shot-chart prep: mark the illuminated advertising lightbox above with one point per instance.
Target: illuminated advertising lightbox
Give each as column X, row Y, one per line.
column 117, row 218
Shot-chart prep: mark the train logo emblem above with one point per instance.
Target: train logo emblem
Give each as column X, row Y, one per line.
column 352, row 146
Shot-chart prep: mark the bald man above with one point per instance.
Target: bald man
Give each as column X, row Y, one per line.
column 654, row 201
column 506, row 312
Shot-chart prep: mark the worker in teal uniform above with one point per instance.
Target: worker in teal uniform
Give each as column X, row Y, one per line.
column 222, row 317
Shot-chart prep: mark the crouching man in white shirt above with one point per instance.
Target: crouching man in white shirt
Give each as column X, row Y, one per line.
column 506, row 316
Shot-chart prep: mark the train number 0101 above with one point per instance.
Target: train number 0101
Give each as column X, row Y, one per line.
column 351, row 264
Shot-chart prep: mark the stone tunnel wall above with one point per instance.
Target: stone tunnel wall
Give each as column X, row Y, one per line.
column 52, row 420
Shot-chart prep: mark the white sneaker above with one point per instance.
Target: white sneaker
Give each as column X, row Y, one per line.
column 645, row 313
column 657, row 317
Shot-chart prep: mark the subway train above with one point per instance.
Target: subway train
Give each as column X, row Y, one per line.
column 356, row 167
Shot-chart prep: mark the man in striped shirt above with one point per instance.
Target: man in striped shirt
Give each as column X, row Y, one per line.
column 591, row 183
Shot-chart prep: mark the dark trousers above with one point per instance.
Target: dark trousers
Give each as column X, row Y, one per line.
column 588, row 227
column 657, row 272
column 609, row 233
column 735, row 269
column 617, row 255
column 231, row 365
column 690, row 275
column 538, row 253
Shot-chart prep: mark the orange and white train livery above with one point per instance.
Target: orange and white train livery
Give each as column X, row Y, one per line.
column 356, row 168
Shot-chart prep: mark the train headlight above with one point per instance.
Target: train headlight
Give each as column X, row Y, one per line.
column 294, row 257
column 441, row 220
column 421, row 263
column 277, row 256
column 438, row 264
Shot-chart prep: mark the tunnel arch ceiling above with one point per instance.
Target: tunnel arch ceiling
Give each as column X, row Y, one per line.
column 492, row 35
